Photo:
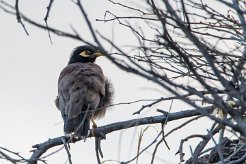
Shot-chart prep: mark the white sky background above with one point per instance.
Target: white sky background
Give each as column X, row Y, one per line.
column 29, row 69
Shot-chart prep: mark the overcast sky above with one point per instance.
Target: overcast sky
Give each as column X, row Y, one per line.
column 29, row 69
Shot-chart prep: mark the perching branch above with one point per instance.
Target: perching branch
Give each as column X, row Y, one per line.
column 40, row 149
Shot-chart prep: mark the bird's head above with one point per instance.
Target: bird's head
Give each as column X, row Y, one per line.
column 84, row 54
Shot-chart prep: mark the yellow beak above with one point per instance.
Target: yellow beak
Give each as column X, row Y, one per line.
column 97, row 54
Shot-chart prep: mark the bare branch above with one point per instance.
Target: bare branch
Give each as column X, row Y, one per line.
column 18, row 17
column 41, row 148
column 46, row 18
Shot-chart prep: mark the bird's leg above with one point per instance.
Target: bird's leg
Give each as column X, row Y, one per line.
column 94, row 126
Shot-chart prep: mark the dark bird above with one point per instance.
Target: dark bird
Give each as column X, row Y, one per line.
column 83, row 92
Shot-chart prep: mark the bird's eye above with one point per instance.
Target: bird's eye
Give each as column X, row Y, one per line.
column 85, row 53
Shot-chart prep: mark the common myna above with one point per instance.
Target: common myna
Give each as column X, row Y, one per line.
column 84, row 93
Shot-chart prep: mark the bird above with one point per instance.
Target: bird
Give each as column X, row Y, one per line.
column 84, row 93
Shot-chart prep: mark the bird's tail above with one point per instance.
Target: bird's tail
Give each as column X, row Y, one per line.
column 80, row 125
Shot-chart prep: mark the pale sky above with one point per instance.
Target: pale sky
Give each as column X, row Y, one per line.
column 29, row 69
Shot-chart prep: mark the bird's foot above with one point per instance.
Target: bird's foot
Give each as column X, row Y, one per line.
column 72, row 137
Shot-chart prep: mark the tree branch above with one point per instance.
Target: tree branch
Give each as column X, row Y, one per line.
column 41, row 148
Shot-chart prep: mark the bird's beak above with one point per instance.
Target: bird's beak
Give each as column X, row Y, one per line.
column 97, row 54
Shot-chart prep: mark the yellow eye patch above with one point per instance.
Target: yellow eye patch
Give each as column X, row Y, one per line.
column 85, row 54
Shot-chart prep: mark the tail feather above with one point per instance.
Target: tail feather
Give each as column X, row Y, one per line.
column 79, row 124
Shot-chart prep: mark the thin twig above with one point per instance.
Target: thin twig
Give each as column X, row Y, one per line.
column 98, row 149
column 18, row 17
column 217, row 146
column 46, row 18
column 66, row 148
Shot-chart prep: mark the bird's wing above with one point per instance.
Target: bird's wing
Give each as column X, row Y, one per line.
column 80, row 84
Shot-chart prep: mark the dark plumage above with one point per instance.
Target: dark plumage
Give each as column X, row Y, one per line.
column 83, row 91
